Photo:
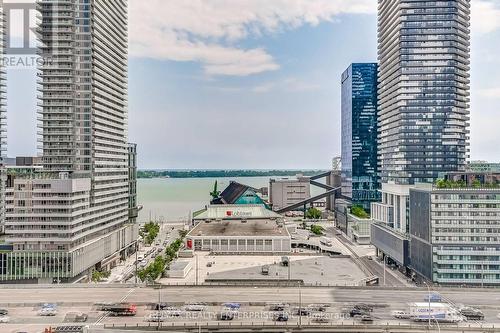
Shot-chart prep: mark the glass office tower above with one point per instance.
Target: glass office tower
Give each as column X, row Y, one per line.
column 359, row 134
column 424, row 52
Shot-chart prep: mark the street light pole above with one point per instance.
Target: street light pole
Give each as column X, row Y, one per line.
column 159, row 307
column 482, row 275
column 300, row 306
column 136, row 251
column 429, row 299
column 196, row 257
column 385, row 257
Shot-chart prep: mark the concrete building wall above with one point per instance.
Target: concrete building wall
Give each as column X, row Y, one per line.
column 455, row 235
column 241, row 244
column 286, row 192
column 79, row 202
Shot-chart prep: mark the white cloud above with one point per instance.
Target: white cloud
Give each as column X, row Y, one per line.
column 485, row 16
column 288, row 84
column 208, row 31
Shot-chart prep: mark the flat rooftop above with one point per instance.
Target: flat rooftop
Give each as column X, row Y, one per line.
column 179, row 265
column 257, row 227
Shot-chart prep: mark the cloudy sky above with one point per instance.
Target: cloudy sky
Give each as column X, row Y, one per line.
column 255, row 83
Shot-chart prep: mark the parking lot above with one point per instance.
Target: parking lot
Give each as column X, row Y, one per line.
column 315, row 270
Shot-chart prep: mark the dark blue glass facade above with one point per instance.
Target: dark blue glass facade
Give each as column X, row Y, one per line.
column 359, row 134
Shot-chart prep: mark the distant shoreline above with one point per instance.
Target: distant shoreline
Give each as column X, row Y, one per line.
column 149, row 174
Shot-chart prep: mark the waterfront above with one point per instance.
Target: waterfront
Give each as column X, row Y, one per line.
column 172, row 199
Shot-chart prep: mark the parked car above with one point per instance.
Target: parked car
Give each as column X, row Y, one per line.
column 4, row 312
column 4, row 319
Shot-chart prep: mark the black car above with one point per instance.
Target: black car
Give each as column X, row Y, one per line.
column 282, row 316
column 303, row 312
column 472, row 314
column 4, row 312
column 367, row 318
column 225, row 316
column 364, row 307
column 357, row 312
column 160, row 306
column 277, row 307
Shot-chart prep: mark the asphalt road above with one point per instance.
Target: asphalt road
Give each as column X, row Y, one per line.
column 23, row 303
column 181, row 294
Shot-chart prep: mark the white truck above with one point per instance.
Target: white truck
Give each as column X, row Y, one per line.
column 325, row 241
column 440, row 312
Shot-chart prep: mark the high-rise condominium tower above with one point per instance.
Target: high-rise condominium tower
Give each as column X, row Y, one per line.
column 70, row 214
column 3, row 124
column 423, row 117
column 423, row 49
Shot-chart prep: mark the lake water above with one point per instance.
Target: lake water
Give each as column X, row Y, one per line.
column 172, row 199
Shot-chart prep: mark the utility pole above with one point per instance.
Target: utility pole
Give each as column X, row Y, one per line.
column 196, row 256
column 136, row 251
column 289, row 270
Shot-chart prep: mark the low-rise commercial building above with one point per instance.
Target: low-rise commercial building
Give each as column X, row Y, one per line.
column 455, row 234
column 390, row 224
column 239, row 229
column 179, row 269
column 288, row 191
column 359, row 229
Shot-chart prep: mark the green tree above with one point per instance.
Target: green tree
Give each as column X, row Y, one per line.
column 317, row 229
column 98, row 276
column 215, row 193
column 149, row 232
column 359, row 211
column 476, row 183
column 313, row 213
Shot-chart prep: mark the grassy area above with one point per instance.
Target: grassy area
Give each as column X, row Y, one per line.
column 98, row 276
column 360, row 212
column 446, row 183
